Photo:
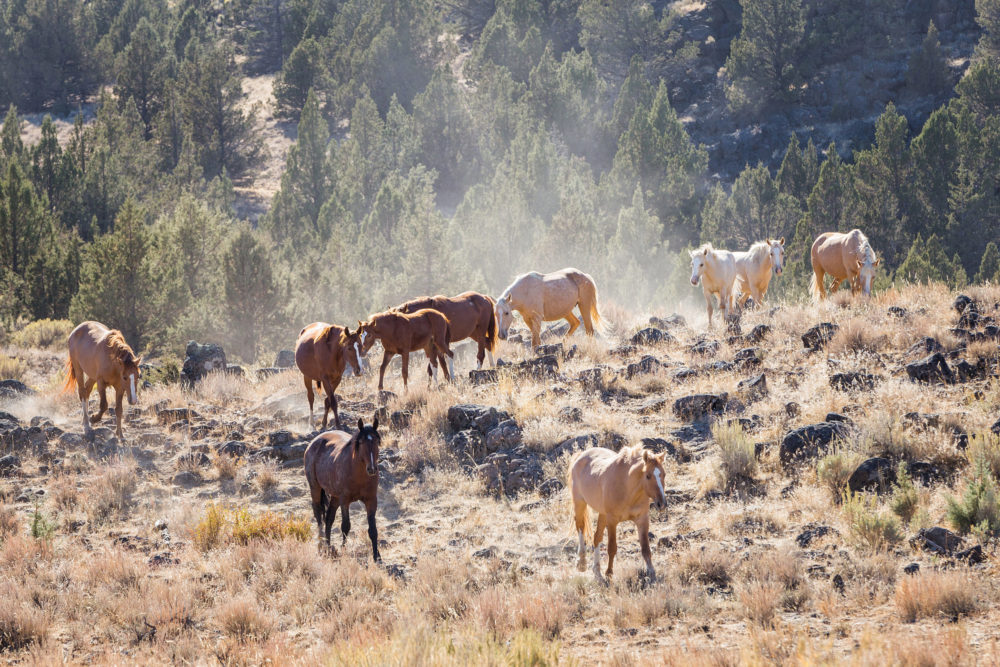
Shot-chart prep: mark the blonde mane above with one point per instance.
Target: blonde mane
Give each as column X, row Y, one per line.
column 703, row 247
column 119, row 349
column 758, row 251
column 631, row 454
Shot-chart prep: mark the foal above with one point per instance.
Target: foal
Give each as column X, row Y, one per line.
column 402, row 333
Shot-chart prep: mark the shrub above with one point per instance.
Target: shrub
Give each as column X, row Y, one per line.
column 44, row 333
column 242, row 527
column 984, row 449
column 978, row 507
column 22, row 623
column 12, row 368
column 867, row 524
column 928, row 594
column 8, row 521
column 42, row 528
column 243, row 619
column 905, row 500
column 833, row 471
column 111, row 493
column 760, row 601
column 737, row 460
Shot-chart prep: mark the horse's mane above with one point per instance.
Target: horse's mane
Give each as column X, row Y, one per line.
column 120, row 350
column 631, row 454
column 702, row 248
column 758, row 250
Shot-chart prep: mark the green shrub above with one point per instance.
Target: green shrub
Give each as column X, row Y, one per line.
column 44, row 333
column 870, row 527
column 737, row 460
column 978, row 508
column 905, row 500
column 833, row 471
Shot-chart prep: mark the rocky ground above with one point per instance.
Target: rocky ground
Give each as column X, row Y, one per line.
column 193, row 540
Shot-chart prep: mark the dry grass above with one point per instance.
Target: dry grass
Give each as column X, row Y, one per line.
column 44, row 334
column 12, row 368
column 22, row 623
column 737, row 461
column 110, row 492
column 857, row 336
column 931, row 594
column 244, row 620
column 220, row 526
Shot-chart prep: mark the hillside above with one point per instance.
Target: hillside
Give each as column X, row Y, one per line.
column 128, row 551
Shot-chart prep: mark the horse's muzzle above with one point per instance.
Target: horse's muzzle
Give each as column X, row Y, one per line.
column 371, row 471
column 694, row 281
column 777, row 272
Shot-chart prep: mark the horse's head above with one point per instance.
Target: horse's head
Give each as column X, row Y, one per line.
column 866, row 271
column 366, row 334
column 367, row 443
column 777, row 250
column 351, row 347
column 653, row 476
column 505, row 316
column 698, row 259
column 130, row 377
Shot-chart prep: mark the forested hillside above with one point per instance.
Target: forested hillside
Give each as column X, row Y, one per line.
column 448, row 145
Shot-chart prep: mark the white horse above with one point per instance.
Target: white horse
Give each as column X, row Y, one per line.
column 716, row 270
column 755, row 267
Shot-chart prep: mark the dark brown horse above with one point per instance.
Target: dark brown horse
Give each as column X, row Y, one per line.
column 470, row 315
column 104, row 356
column 341, row 469
column 402, row 333
column 321, row 353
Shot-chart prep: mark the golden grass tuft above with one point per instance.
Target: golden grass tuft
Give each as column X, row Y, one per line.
column 110, row 493
column 22, row 622
column 857, row 336
column 929, row 594
column 244, row 620
column 12, row 368
column 241, row 526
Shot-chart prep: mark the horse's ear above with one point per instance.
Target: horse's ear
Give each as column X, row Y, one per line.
column 375, row 422
column 705, row 252
column 359, row 324
column 645, row 456
column 347, row 332
column 782, row 241
column 877, row 260
column 361, row 423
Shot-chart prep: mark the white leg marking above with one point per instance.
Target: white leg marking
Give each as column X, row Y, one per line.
column 86, row 420
column 451, row 367
column 435, row 373
column 597, row 562
column 490, row 353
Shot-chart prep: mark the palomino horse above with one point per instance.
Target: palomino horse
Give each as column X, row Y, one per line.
column 341, row 469
column 470, row 315
column 755, row 267
column 845, row 257
column 103, row 356
column 321, row 353
column 716, row 270
column 551, row 296
column 619, row 486
column 402, row 333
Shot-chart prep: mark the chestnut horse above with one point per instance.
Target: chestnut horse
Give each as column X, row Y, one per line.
column 343, row 468
column 470, row 315
column 755, row 267
column 321, row 353
column 103, row 356
column 717, row 273
column 551, row 296
column 845, row 257
column 402, row 333
column 620, row 486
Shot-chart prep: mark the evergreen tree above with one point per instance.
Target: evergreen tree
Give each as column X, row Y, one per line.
column 636, row 253
column 253, row 303
column 799, row 170
column 24, row 222
column 302, row 74
column 142, row 72
column 988, row 18
column 11, row 145
column 927, row 73
column 989, row 265
column 763, row 61
column 928, row 261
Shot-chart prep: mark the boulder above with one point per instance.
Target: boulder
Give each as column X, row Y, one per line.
column 667, row 323
column 837, row 417
column 555, row 331
column 187, row 478
column 651, row 336
column 505, row 435
column 807, row 442
column 937, row 540
column 931, row 369
column 875, row 474
column 652, row 405
column 961, row 303
column 551, row 348
column 573, row 445
column 540, row 367
column 550, row 487
column 966, row 371
column 624, row 351
column 854, row 381
column 648, row 364
column 758, row 333
column 719, row 367
column 754, row 387
column 592, row 379
column 570, row 414
column 792, row 409
column 264, row 373
column 699, row 406
column 813, row 531
column 468, row 445
column 926, row 345
column 818, row 336
column 194, row 459
column 897, row 311
column 199, row 360
column 399, row 419
column 487, row 376
column 289, row 452
column 684, row 373
column 11, row 389
column 9, row 464
column 480, row 417
column 749, row 357
column 284, row 359
column 234, row 448
column 705, row 348
column 658, row 445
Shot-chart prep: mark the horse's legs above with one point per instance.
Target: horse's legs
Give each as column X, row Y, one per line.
column 598, row 536
column 329, row 388
column 580, row 518
column 708, row 304
column 102, row 392
column 588, row 321
column 574, row 322
column 118, row 416
column 319, row 508
column 371, row 506
column 642, row 526
column 492, row 362
column 311, row 396
column 480, row 353
column 535, row 324
column 612, row 547
column 84, row 387
column 386, row 358
column 331, row 514
column 406, row 367
column 345, row 521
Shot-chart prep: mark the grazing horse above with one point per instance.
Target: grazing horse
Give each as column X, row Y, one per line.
column 845, row 257
column 619, row 486
column 321, row 353
column 103, row 356
column 716, row 270
column 551, row 296
column 343, row 468
column 402, row 333
column 755, row 267
column 470, row 315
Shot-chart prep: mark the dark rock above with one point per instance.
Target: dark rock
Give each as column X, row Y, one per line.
column 897, row 311
column 199, row 360
column 648, row 364
column 682, row 374
column 912, row 568
column 40, row 421
column 874, row 474
column 290, row 452
column 468, row 445
column 552, row 348
column 922, row 421
column 505, row 435
column 758, row 333
column 194, row 459
column 187, row 478
column 11, row 389
column 927, row 473
column 719, row 367
column 937, row 540
column 400, row 419
column 667, row 323
column 967, row 371
column 570, row 414
column 652, row 405
column 573, row 445
column 488, row 552
column 813, row 531
column 818, row 336
column 593, row 378
column 837, row 582
column 806, row 442
column 697, row 432
column 488, row 376
column 926, row 345
column 754, row 387
column 281, row 438
column 961, row 303
column 233, row 448
column 170, row 415
column 284, row 359
column 705, row 348
column 792, row 409
column 837, row 417
column 550, row 487
column 657, row 445
column 9, row 464
column 699, row 406
column 480, row 417
column 235, row 370
column 540, row 367
column 971, row 556
column 749, row 357
column 556, row 331
column 931, row 369
column 264, row 373
column 855, row 381
column 624, row 351
column 651, row 336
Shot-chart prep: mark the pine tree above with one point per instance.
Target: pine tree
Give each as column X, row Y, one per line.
column 637, row 250
column 989, row 265
column 764, row 60
column 253, row 301
column 988, row 18
column 927, row 73
column 302, row 74
column 11, row 145
column 928, row 261
column 799, row 170
column 142, row 72
column 24, row 222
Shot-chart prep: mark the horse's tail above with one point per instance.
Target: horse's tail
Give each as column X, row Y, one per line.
column 588, row 298
column 491, row 328
column 814, row 288
column 70, row 377
column 588, row 528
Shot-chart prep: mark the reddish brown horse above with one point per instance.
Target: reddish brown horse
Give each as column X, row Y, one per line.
column 469, row 314
column 103, row 356
column 402, row 333
column 341, row 469
column 321, row 353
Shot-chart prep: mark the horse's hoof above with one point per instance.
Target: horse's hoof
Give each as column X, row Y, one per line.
column 581, row 565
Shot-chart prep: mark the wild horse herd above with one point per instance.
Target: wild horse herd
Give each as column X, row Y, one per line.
column 342, row 468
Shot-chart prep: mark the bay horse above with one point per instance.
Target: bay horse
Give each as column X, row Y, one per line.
column 755, row 267
column 716, row 271
column 341, row 469
column 546, row 297
column 619, row 486
column 845, row 257
column 322, row 352
column 403, row 333
column 100, row 355
column 470, row 315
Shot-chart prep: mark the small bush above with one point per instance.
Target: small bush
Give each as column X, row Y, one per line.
column 737, row 460
column 869, row 526
column 267, row 526
column 266, row 477
column 833, row 471
column 44, row 333
column 208, row 532
column 12, row 368
column 243, row 619
column 856, row 336
column 905, row 500
column 923, row 595
column 226, row 466
column 984, row 449
column 111, row 493
column 42, row 528
column 979, row 507
column 707, row 565
column 8, row 521
column 22, row 623
column 759, row 600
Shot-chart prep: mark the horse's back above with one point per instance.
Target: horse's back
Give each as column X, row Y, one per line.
column 321, row 457
column 85, row 349
column 305, row 347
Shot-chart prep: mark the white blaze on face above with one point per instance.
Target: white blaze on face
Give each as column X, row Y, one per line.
column 357, row 351
column 659, row 483
column 131, row 379
column 363, row 334
column 696, row 264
